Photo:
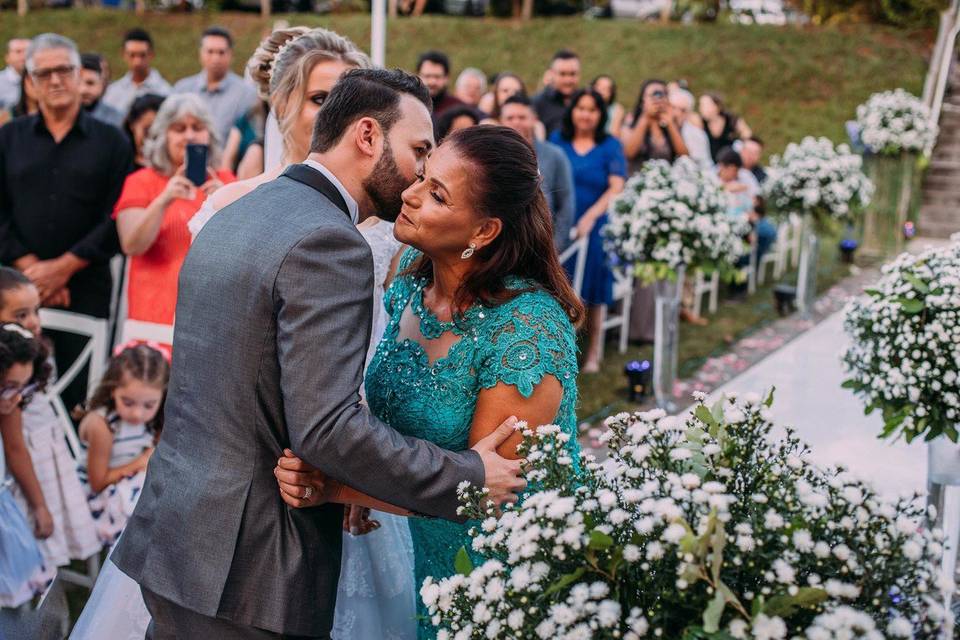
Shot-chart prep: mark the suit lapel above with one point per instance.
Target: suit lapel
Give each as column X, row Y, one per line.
column 316, row 180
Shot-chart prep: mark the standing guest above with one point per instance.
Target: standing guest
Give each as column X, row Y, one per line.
column 750, row 152
column 653, row 133
column 433, row 67
column 61, row 171
column 470, row 87
column 564, row 78
column 599, row 169
column 141, row 78
column 555, row 172
column 142, row 113
column 28, row 104
column 91, row 91
column 606, row 87
column 459, row 117
column 722, row 127
column 157, row 202
column 505, row 85
column 227, row 95
column 11, row 75
column 691, row 127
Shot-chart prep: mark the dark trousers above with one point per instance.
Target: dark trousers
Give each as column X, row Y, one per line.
column 173, row 622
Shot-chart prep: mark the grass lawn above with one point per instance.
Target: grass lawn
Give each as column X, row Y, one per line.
column 787, row 82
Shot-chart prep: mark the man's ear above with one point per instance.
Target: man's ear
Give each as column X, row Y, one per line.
column 368, row 137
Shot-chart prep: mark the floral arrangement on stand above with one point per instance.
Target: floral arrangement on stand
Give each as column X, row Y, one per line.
column 894, row 122
column 673, row 215
column 904, row 359
column 704, row 527
column 817, row 178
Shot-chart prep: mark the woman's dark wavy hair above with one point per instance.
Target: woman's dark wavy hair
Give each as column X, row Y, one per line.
column 17, row 348
column 566, row 128
column 497, row 107
column 505, row 184
column 142, row 363
column 638, row 108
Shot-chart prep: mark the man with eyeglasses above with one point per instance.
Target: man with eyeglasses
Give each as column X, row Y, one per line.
column 61, row 171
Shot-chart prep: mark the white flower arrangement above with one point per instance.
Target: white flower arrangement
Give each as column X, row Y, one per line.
column 672, row 215
column 905, row 354
column 895, row 121
column 815, row 177
column 739, row 537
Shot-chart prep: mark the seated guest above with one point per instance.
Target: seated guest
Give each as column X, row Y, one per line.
column 433, row 67
column 764, row 231
column 722, row 127
column 459, row 117
column 140, row 79
column 91, row 90
column 158, row 201
column 563, row 79
column 653, row 133
column 470, row 87
column 606, row 87
column 137, row 123
column 11, row 75
column 691, row 127
column 555, row 172
column 750, row 152
column 739, row 196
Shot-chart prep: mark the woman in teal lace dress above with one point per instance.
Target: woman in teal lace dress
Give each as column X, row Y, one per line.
column 481, row 316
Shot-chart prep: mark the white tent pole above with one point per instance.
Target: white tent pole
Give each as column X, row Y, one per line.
column 378, row 31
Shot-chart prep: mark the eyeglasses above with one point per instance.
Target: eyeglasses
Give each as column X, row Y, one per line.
column 26, row 393
column 44, row 75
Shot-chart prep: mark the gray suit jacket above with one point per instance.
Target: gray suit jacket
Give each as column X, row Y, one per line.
column 273, row 321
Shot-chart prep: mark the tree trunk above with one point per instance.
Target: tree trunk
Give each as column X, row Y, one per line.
column 22, row 7
column 265, row 8
column 527, row 9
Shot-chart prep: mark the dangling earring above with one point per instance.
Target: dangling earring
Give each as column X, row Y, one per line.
column 468, row 252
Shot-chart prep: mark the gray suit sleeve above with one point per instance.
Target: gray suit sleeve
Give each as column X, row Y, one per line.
column 323, row 295
column 563, row 219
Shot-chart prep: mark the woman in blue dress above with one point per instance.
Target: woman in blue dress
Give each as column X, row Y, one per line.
column 599, row 170
column 481, row 320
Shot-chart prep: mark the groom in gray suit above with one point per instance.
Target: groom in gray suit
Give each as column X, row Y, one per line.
column 273, row 320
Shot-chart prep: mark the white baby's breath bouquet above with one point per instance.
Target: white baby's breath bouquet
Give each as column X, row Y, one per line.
column 705, row 527
column 904, row 359
column 895, row 121
column 672, row 215
column 817, row 178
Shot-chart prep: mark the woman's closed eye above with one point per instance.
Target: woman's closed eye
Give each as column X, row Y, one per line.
column 436, row 196
column 319, row 97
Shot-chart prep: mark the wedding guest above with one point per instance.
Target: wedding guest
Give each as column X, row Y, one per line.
column 12, row 74
column 227, row 96
column 456, row 118
column 157, row 202
column 141, row 78
column 552, row 103
column 691, row 127
column 470, row 87
column 653, row 133
column 61, row 171
column 606, row 87
column 91, row 91
column 722, row 127
column 505, row 85
column 137, row 124
column 555, row 172
column 599, row 170
column 739, row 195
column 28, row 104
column 433, row 67
column 751, row 151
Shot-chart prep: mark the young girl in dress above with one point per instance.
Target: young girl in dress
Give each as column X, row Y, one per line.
column 22, row 371
column 123, row 421
column 47, row 487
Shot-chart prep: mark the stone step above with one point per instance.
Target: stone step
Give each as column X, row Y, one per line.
column 940, row 213
column 943, row 231
column 935, row 183
column 941, row 199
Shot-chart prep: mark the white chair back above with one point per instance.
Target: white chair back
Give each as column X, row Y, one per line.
column 623, row 293
column 578, row 249
column 136, row 330
column 702, row 285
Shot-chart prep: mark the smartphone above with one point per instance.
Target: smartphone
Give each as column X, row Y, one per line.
column 197, row 163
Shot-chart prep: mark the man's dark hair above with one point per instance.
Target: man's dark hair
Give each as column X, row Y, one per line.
column 564, row 54
column 218, row 32
column 756, row 139
column 517, row 98
column 728, row 157
column 92, row 62
column 445, row 122
column 436, row 57
column 373, row 93
column 138, row 35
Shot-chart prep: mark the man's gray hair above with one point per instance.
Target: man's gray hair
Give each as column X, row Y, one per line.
column 47, row 41
column 684, row 95
column 174, row 108
column 473, row 72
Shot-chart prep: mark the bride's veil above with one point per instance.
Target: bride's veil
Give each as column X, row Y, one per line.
column 272, row 143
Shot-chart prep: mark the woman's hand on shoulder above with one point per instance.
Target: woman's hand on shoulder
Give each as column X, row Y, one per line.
column 300, row 484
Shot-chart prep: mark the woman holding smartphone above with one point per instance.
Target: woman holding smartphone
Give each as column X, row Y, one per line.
column 159, row 200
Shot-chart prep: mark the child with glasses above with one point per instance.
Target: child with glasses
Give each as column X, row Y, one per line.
column 47, row 487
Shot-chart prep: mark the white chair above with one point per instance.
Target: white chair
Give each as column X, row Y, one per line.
column 578, row 249
column 775, row 256
column 701, row 286
column 130, row 330
column 118, row 271
column 94, row 355
column 794, row 238
column 622, row 293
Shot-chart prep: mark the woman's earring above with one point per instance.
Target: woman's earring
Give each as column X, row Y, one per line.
column 468, row 252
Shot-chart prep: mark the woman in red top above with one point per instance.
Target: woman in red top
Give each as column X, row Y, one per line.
column 158, row 201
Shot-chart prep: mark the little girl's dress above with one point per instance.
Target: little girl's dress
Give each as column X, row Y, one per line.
column 21, row 564
column 112, row 507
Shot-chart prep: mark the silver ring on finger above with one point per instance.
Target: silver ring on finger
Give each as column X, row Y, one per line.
column 307, row 493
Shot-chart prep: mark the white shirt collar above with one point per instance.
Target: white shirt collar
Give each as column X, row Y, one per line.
column 351, row 203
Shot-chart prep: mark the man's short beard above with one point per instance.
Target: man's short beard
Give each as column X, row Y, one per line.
column 384, row 185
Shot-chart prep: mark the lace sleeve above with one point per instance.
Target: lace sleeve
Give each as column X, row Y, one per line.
column 529, row 338
column 400, row 288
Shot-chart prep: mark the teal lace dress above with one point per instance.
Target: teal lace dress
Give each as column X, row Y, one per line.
column 517, row 343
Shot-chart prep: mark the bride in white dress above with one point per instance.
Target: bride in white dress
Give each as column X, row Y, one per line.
column 376, row 597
